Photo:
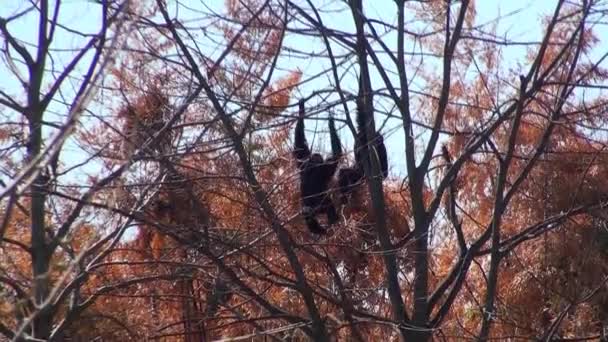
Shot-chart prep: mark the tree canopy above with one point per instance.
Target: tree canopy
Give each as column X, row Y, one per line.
column 148, row 188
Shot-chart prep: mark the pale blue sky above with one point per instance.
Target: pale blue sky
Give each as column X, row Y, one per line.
column 524, row 25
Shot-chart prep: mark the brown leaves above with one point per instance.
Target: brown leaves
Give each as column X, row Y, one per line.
column 278, row 94
column 260, row 41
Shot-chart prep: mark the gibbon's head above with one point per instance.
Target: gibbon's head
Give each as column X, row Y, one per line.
column 316, row 158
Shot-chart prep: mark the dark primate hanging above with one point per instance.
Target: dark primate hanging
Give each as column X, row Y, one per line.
column 315, row 175
column 350, row 177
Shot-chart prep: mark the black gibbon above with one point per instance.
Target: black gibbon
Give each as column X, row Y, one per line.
column 315, row 176
column 349, row 178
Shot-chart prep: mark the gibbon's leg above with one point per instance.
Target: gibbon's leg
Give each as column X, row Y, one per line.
column 330, row 211
column 348, row 179
column 311, row 222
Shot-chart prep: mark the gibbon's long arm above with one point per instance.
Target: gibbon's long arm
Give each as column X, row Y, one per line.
column 301, row 151
column 336, row 146
column 331, row 164
column 375, row 147
column 380, row 150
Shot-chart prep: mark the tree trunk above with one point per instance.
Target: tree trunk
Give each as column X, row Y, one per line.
column 43, row 322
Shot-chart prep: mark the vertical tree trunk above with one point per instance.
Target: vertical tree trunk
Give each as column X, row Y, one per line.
column 42, row 323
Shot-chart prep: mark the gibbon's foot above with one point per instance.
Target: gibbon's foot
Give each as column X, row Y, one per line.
column 327, row 233
column 332, row 215
column 311, row 222
column 317, row 229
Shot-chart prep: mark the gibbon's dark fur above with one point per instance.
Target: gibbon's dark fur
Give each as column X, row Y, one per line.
column 351, row 177
column 315, row 175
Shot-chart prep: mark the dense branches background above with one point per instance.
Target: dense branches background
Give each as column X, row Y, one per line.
column 148, row 189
